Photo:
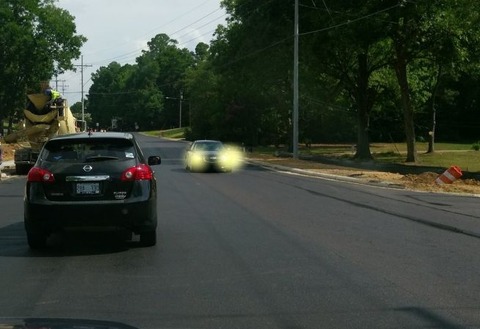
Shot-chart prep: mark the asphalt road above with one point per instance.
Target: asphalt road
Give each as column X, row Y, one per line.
column 257, row 249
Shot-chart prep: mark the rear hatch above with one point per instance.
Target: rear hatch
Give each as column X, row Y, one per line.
column 89, row 170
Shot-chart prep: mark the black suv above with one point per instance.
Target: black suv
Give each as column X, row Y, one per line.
column 98, row 181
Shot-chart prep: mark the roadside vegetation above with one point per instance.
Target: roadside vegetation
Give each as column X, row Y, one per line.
column 404, row 73
column 38, row 40
column 370, row 72
column 446, row 155
column 463, row 155
column 176, row 133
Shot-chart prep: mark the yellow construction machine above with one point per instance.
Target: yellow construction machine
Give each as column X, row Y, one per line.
column 42, row 121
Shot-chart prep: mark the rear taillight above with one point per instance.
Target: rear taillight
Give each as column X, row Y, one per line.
column 140, row 172
column 40, row 175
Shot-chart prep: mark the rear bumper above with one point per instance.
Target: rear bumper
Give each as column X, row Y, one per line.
column 53, row 216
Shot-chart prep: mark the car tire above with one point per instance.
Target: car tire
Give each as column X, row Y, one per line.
column 36, row 240
column 148, row 238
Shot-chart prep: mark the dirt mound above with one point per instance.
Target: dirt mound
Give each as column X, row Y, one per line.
column 8, row 150
column 414, row 181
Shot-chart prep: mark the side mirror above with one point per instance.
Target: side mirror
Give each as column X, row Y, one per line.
column 154, row 160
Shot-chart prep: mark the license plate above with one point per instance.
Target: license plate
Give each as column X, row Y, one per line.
column 88, row 188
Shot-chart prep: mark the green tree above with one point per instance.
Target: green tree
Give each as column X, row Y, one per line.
column 252, row 58
column 202, row 87
column 137, row 94
column 437, row 30
column 108, row 96
column 37, row 39
column 161, row 73
column 350, row 48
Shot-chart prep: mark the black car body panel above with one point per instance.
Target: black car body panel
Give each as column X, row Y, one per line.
column 85, row 181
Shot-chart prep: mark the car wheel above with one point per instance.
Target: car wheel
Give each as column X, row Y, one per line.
column 148, row 238
column 36, row 240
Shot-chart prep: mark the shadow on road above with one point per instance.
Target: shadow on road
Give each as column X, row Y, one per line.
column 13, row 243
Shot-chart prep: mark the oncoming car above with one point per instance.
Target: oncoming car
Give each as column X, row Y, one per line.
column 204, row 155
column 91, row 181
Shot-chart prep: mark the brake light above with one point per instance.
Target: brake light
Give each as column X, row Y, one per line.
column 140, row 172
column 40, row 175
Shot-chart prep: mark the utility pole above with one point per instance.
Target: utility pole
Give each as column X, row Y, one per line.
column 180, row 110
column 56, row 81
column 180, row 99
column 295, row 85
column 62, row 82
column 84, row 126
column 63, row 86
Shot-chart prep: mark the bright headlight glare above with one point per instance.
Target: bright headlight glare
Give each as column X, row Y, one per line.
column 197, row 158
column 231, row 159
column 197, row 162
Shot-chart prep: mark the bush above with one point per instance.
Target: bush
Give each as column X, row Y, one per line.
column 476, row 146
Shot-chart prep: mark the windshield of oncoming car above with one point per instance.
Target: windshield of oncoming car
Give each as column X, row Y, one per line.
column 209, row 146
column 88, row 150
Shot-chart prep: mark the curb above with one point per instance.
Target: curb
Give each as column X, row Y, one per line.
column 348, row 179
column 326, row 176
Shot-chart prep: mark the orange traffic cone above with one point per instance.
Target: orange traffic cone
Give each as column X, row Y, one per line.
column 449, row 176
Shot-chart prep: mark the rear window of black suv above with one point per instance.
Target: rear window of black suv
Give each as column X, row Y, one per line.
column 88, row 150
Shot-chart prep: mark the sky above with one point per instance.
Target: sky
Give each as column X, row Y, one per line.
column 118, row 30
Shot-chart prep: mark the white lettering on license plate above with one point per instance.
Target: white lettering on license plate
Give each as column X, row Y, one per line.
column 88, row 188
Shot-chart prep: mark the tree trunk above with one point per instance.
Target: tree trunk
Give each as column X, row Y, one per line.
column 363, row 143
column 431, row 134
column 363, row 110
column 408, row 117
column 10, row 125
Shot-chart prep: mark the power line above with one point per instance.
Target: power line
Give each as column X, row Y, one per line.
column 273, row 44
column 156, row 28
column 351, row 21
column 136, row 51
column 206, row 24
column 199, row 20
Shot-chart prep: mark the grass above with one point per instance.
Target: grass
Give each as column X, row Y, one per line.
column 176, row 133
column 445, row 155
column 466, row 160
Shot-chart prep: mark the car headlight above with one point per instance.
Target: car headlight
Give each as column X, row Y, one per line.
column 197, row 159
column 231, row 159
